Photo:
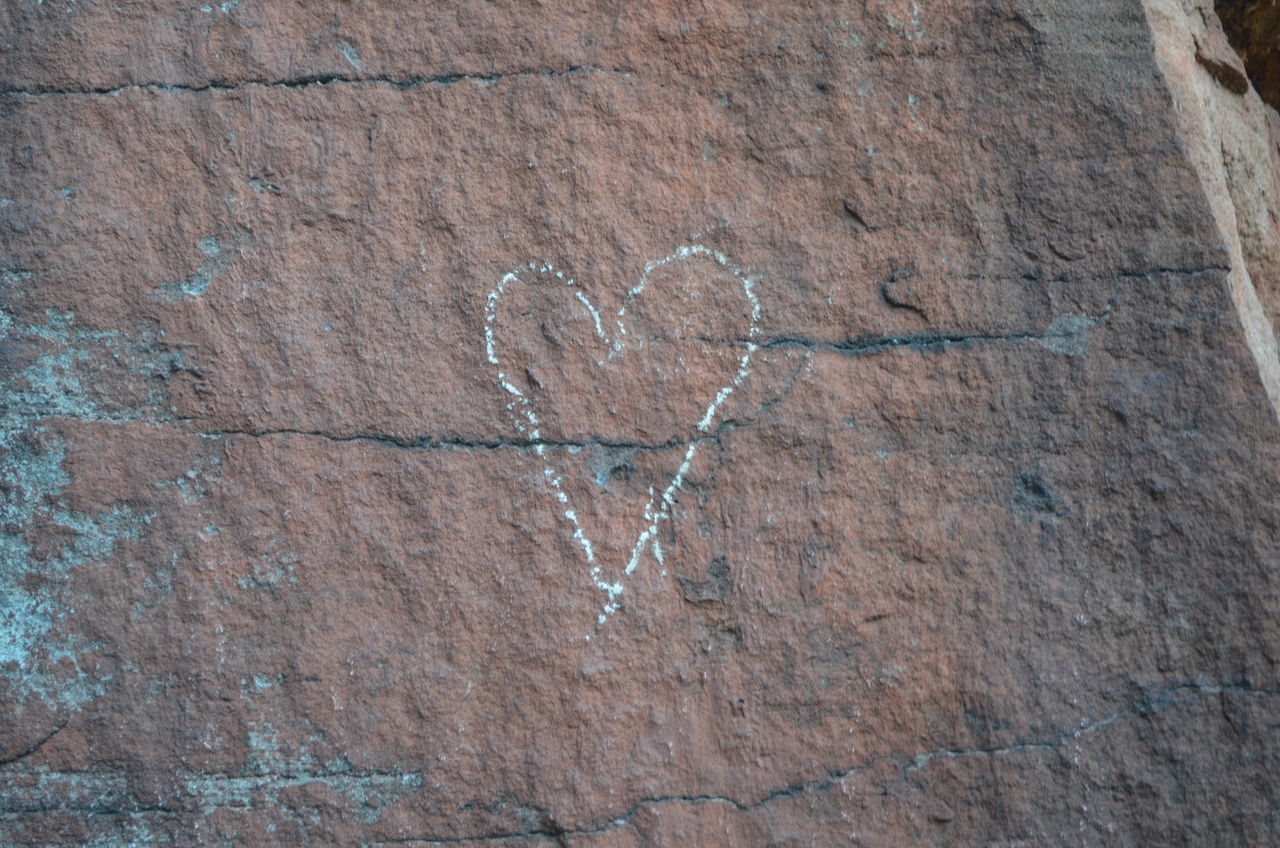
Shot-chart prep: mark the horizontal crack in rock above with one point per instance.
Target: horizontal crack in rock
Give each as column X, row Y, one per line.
column 875, row 344
column 915, row 341
column 312, row 80
column 1160, row 271
column 1161, row 701
column 432, row 443
column 468, row 444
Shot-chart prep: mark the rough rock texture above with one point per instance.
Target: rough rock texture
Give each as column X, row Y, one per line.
column 897, row 468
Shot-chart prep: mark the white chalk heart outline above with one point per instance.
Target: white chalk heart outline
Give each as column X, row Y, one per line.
column 525, row 418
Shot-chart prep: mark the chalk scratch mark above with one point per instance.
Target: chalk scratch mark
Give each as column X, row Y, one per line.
column 658, row 509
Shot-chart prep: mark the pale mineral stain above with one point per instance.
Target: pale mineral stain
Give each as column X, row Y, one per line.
column 1068, row 334
column 38, row 655
column 349, row 52
column 217, row 259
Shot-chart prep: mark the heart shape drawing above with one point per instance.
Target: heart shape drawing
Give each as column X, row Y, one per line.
column 547, row 379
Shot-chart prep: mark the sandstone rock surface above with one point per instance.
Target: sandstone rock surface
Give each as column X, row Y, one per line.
column 611, row 424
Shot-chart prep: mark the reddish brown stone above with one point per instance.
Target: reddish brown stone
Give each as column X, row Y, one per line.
column 939, row 359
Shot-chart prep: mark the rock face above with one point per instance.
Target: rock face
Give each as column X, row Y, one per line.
column 610, row 425
column 1233, row 140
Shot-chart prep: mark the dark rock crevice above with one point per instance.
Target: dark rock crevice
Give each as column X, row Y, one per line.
column 1253, row 29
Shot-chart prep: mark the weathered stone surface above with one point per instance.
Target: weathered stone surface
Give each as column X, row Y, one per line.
column 898, row 468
